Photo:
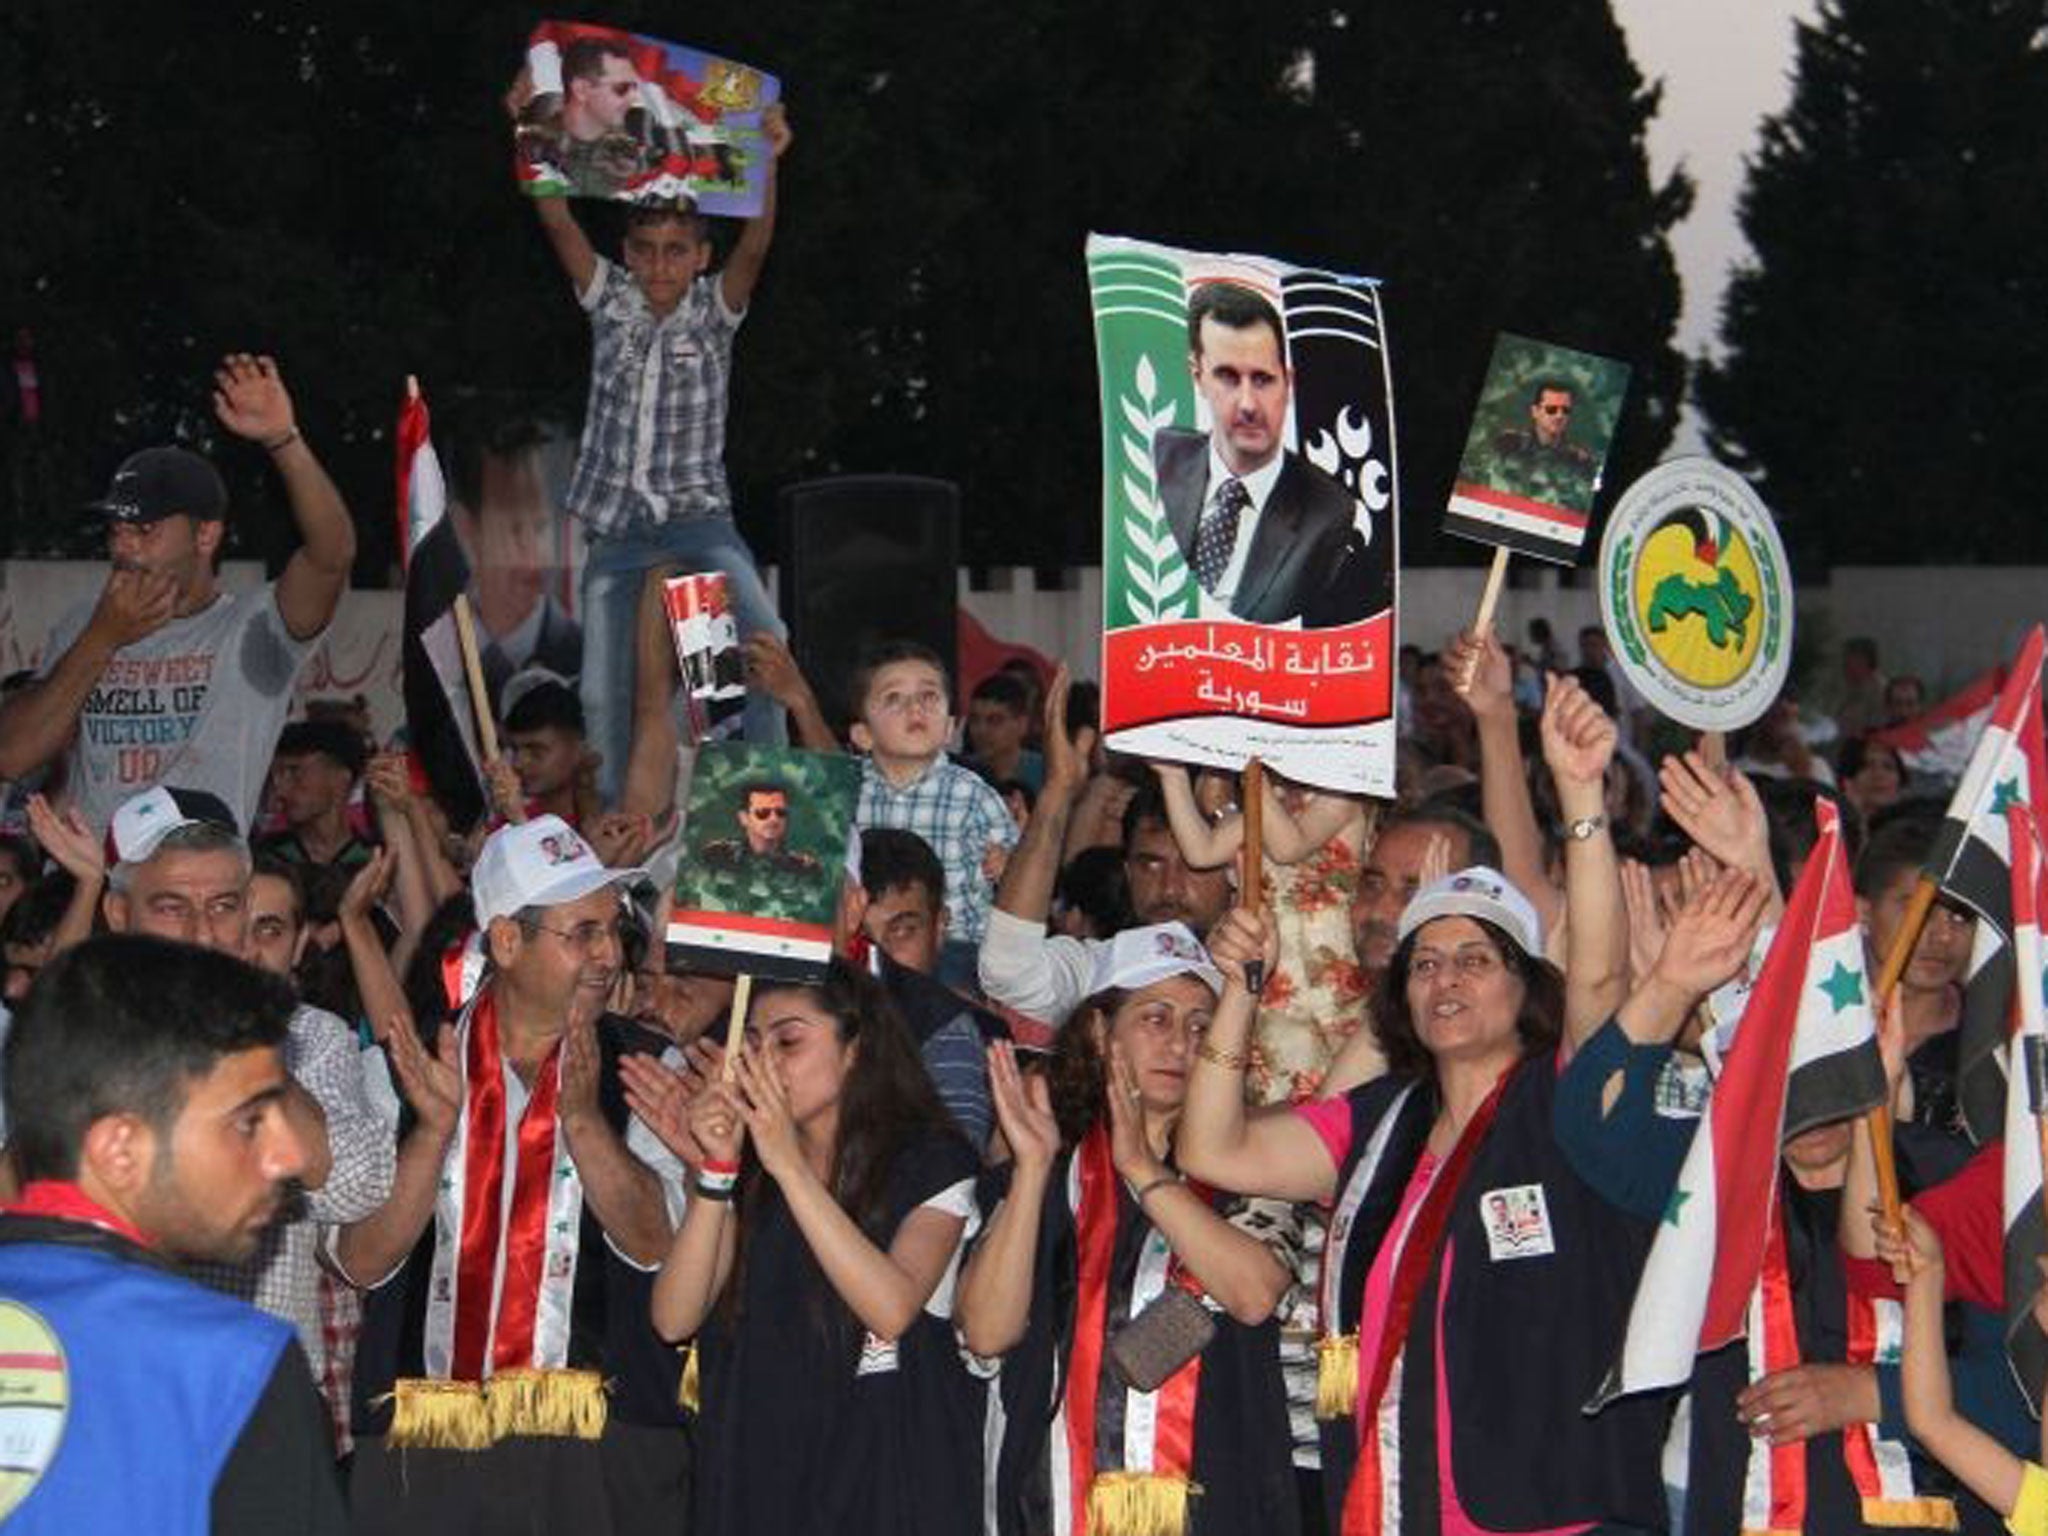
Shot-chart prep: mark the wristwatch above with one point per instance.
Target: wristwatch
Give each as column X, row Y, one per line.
column 1582, row 830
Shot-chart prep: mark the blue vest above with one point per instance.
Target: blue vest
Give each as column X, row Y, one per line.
column 162, row 1375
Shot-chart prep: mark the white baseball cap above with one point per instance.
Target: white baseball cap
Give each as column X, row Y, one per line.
column 145, row 820
column 1478, row 892
column 537, row 863
column 1137, row 957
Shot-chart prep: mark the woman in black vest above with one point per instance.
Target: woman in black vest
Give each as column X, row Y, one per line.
column 1139, row 1383
column 1474, row 1287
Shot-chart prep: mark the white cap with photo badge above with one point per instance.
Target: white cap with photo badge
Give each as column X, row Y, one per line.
column 1482, row 893
column 1137, row 957
column 537, row 863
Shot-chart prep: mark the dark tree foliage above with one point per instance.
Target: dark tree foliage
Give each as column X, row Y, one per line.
column 331, row 182
column 1887, row 354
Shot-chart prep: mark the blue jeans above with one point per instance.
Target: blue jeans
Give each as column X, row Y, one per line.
column 612, row 576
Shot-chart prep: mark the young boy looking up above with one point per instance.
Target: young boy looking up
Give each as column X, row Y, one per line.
column 900, row 694
column 650, row 482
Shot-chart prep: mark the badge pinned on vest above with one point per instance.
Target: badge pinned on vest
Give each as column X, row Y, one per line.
column 35, row 1402
column 1517, row 1223
column 1696, row 595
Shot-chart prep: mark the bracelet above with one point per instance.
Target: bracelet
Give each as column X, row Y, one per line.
column 716, row 1181
column 283, row 442
column 1165, row 1178
column 1230, row 1061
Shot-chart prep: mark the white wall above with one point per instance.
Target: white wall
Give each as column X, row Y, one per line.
column 1946, row 623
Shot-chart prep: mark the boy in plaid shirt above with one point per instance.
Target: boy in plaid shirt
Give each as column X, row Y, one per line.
column 650, row 485
column 901, row 696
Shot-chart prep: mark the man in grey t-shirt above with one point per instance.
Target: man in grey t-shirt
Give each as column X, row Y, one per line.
column 167, row 679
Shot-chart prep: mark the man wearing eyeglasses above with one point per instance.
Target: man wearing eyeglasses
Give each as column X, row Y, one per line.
column 764, row 835
column 508, row 1277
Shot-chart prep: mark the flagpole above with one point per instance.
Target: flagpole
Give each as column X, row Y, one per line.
column 1252, row 877
column 1895, row 961
column 1495, row 577
column 736, row 1023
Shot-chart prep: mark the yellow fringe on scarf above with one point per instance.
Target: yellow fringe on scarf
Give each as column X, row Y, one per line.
column 466, row 1416
column 1139, row 1504
column 439, row 1415
column 1336, row 1375
column 690, row 1390
column 1927, row 1513
column 563, row 1404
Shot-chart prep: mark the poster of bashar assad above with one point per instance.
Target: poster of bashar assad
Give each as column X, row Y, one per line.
column 1249, row 513
column 765, row 835
column 1539, row 438
column 611, row 114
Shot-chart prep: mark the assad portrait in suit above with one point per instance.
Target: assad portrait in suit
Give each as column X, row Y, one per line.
column 1267, row 534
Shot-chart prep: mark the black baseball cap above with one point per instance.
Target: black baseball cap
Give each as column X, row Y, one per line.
column 162, row 482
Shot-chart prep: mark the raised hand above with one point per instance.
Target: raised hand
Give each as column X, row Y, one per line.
column 1129, row 1147
column 1023, row 1109
column 1480, row 672
column 616, row 835
column 368, row 886
column 65, row 837
column 1066, row 760
column 1436, row 860
column 1717, row 808
column 661, row 1097
column 388, row 778
column 1645, row 919
column 250, row 399
column 1241, row 937
column 507, row 798
column 764, row 1105
column 580, row 1059
column 1712, row 934
column 431, row 1083
column 1913, row 1250
column 771, row 668
column 134, row 604
column 1578, row 736
column 717, row 1122
column 775, row 124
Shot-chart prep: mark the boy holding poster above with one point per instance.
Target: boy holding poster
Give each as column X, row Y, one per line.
column 650, row 484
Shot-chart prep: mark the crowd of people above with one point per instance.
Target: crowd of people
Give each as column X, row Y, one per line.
column 371, row 1171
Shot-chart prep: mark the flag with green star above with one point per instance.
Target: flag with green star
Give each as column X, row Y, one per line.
column 1804, row 1052
column 1972, row 864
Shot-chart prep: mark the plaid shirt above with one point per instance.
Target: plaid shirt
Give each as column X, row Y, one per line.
column 653, row 448
column 283, row 1278
column 959, row 813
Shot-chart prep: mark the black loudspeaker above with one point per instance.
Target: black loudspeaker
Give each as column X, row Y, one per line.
column 867, row 559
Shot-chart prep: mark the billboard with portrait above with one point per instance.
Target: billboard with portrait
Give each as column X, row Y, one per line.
column 1250, row 513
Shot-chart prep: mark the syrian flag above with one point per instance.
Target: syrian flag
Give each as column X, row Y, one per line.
column 2026, row 1100
column 1972, row 863
column 1936, row 743
column 1805, row 1054
column 439, row 720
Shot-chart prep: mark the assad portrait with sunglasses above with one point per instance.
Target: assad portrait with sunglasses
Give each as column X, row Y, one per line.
column 763, row 843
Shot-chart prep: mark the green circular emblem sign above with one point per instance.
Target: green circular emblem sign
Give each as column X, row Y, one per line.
column 1696, row 595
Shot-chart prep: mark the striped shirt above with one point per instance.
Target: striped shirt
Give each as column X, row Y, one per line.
column 959, row 813
column 653, row 448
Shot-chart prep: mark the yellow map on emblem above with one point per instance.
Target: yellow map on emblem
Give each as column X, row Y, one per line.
column 1696, row 593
